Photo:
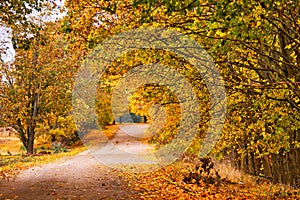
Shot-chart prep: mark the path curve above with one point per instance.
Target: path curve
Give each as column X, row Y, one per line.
column 82, row 176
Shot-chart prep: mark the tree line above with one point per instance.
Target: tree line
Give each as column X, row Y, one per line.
column 255, row 45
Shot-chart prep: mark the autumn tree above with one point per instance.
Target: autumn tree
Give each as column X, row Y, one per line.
column 255, row 45
column 38, row 84
column 16, row 11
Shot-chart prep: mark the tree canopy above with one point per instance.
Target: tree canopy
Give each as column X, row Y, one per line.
column 255, row 46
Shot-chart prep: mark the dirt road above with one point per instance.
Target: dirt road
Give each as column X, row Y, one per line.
column 83, row 176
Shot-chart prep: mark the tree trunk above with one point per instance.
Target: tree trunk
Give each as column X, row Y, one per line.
column 27, row 136
column 30, row 139
column 31, row 127
column 282, row 167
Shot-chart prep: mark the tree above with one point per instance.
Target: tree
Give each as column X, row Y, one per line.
column 262, row 38
column 255, row 45
column 37, row 84
column 16, row 11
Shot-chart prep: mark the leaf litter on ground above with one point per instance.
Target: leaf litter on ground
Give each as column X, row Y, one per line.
column 188, row 180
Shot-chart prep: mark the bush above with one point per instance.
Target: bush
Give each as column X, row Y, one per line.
column 58, row 148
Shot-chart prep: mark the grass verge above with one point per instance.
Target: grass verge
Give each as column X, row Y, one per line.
column 10, row 165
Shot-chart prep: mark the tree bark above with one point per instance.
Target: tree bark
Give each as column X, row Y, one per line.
column 30, row 140
column 31, row 127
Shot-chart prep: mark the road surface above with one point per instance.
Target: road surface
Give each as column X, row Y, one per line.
column 89, row 175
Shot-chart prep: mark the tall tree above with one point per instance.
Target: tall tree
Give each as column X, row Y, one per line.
column 255, row 45
column 37, row 84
